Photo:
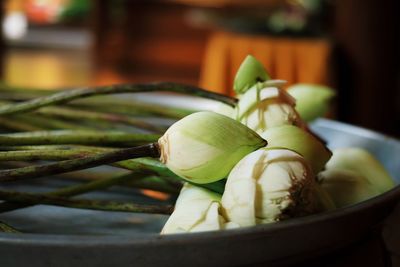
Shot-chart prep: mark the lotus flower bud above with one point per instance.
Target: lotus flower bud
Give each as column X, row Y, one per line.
column 196, row 209
column 362, row 163
column 250, row 72
column 204, row 146
column 300, row 141
column 312, row 101
column 346, row 187
column 261, row 109
column 268, row 186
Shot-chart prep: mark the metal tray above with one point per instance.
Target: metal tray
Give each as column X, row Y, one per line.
column 71, row 237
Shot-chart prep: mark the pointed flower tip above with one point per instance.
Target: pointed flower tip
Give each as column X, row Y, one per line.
column 249, row 73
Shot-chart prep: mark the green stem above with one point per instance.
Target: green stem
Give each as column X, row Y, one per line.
column 69, row 95
column 161, row 170
column 48, row 123
column 150, row 164
column 76, row 137
column 44, row 147
column 29, row 153
column 74, row 114
column 147, row 164
column 143, row 164
column 140, row 164
column 102, row 104
column 12, row 124
column 5, row 228
column 74, row 176
column 48, row 153
column 132, row 107
column 133, row 178
column 83, row 203
column 30, row 172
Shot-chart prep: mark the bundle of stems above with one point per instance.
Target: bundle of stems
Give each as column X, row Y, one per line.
column 55, row 134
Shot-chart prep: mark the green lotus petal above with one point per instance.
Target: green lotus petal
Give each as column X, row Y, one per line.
column 300, row 141
column 346, row 187
column 364, row 164
column 312, row 101
column 204, row 146
column 249, row 73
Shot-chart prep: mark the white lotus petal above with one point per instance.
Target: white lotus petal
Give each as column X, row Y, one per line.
column 196, row 210
column 261, row 109
column 265, row 185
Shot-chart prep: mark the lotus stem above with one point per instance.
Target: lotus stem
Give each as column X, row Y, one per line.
column 76, row 137
column 30, row 172
column 134, row 178
column 110, row 118
column 12, row 124
column 47, row 153
column 132, row 107
column 101, row 104
column 84, row 203
column 49, row 123
column 161, row 170
column 69, row 95
column 30, row 155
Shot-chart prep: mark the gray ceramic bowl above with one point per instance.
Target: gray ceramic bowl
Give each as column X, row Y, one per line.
column 69, row 237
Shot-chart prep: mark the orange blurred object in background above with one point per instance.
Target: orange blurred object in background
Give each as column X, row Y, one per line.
column 295, row 60
column 44, row 11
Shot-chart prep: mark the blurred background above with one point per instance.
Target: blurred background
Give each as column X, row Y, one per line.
column 350, row 45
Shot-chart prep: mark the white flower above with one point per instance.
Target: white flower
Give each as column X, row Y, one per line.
column 261, row 108
column 267, row 186
column 196, row 209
